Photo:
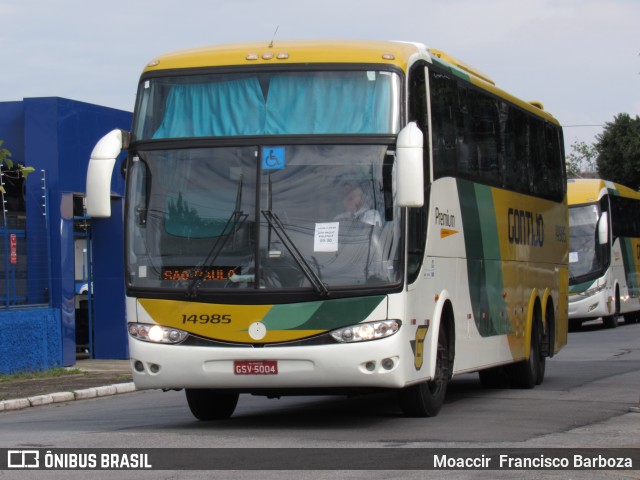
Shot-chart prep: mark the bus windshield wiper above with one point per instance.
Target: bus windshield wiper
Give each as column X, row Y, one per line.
column 235, row 220
column 278, row 227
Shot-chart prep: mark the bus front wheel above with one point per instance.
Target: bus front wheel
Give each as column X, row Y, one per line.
column 425, row 399
column 211, row 404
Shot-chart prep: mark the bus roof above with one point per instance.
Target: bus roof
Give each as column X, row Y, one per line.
column 291, row 52
column 589, row 190
column 392, row 53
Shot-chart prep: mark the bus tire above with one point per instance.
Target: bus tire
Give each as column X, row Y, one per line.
column 526, row 373
column 208, row 404
column 425, row 399
column 631, row 318
column 546, row 340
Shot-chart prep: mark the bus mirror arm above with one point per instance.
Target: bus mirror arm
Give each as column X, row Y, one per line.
column 409, row 158
column 603, row 229
column 101, row 163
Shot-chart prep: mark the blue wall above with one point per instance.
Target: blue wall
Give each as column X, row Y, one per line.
column 57, row 135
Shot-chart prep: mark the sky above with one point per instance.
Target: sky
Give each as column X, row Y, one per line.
column 580, row 58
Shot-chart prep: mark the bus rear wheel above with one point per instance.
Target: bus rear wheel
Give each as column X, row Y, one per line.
column 530, row 372
column 425, row 399
column 211, row 404
column 631, row 317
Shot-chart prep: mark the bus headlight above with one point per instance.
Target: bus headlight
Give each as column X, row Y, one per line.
column 576, row 297
column 593, row 291
column 363, row 332
column 156, row 333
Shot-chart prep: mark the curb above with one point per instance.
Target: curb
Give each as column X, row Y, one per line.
column 60, row 397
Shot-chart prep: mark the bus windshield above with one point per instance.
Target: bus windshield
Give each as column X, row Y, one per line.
column 312, row 217
column 268, row 103
column 585, row 257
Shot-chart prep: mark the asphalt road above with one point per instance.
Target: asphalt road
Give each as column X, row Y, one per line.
column 586, row 400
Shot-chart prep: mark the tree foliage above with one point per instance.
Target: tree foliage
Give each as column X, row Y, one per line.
column 14, row 173
column 618, row 148
column 10, row 167
column 5, row 155
column 582, row 159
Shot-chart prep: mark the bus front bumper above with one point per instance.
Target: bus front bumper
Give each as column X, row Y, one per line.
column 374, row 364
column 594, row 306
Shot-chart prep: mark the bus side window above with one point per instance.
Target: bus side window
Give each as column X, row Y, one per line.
column 444, row 102
column 417, row 217
column 555, row 181
column 466, row 152
column 484, row 116
column 518, row 163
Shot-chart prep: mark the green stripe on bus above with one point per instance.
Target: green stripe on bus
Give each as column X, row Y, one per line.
column 630, row 269
column 484, row 264
column 322, row 315
column 454, row 70
column 580, row 287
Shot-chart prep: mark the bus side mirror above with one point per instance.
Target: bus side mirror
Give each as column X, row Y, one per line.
column 409, row 158
column 101, row 163
column 603, row 229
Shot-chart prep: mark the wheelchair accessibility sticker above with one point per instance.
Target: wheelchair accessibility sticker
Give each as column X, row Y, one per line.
column 273, row 158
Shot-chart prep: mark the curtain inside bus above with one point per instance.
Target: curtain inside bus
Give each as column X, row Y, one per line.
column 325, row 103
column 309, row 103
column 218, row 109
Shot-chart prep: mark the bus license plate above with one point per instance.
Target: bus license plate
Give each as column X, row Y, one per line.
column 255, row 367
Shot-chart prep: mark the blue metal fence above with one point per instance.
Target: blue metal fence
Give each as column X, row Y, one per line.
column 30, row 329
column 23, row 282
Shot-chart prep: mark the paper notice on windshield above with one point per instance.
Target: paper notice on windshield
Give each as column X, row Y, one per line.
column 326, row 237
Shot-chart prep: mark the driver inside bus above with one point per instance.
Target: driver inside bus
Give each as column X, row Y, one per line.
column 357, row 208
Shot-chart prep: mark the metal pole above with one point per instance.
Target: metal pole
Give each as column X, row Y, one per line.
column 5, row 236
column 45, row 208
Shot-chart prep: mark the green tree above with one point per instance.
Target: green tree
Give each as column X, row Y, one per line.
column 7, row 164
column 5, row 155
column 618, row 148
column 14, row 173
column 581, row 160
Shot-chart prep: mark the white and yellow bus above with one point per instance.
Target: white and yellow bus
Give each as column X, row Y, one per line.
column 604, row 257
column 337, row 217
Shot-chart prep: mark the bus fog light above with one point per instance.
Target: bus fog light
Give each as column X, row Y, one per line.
column 370, row 366
column 387, row 363
column 363, row 332
column 154, row 368
column 138, row 366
